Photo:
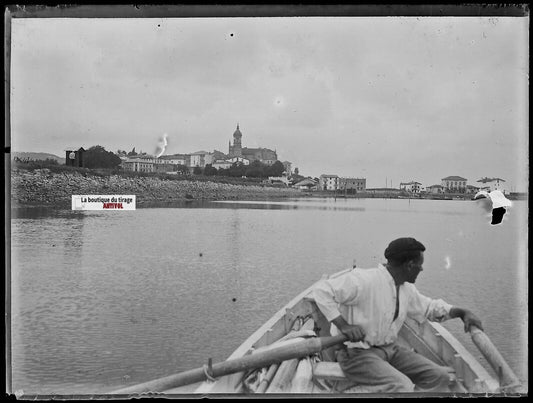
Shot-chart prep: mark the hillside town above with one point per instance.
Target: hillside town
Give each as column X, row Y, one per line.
column 218, row 162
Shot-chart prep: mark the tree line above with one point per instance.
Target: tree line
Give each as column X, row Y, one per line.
column 97, row 157
column 256, row 169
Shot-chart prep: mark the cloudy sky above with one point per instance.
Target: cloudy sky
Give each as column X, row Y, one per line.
column 390, row 99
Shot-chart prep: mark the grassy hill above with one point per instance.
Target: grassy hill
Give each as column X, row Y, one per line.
column 34, row 156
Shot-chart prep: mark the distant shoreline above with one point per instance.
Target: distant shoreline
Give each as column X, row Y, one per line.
column 46, row 188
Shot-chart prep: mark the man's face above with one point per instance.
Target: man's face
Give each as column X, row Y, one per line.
column 414, row 267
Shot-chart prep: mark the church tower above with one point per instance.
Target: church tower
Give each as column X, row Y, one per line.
column 236, row 149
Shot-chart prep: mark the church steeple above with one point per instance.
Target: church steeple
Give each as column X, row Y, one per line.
column 237, row 133
column 236, row 149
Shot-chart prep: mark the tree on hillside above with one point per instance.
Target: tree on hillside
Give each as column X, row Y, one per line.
column 132, row 152
column 256, row 170
column 275, row 169
column 98, row 157
column 237, row 169
column 197, row 171
column 209, row 170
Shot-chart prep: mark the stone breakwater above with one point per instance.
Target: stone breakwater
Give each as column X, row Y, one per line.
column 43, row 187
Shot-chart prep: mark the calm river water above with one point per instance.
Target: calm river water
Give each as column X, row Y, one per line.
column 105, row 299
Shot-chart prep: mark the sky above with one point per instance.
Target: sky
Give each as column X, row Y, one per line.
column 389, row 99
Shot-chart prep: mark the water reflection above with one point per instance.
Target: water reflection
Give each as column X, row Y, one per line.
column 252, row 205
column 318, row 204
column 46, row 212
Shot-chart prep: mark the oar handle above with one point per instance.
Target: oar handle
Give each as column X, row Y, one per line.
column 508, row 380
column 297, row 349
column 330, row 341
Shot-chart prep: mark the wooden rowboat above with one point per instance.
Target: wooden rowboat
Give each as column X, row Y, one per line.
column 293, row 352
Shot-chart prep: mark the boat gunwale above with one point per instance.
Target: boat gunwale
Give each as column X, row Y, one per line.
column 471, row 363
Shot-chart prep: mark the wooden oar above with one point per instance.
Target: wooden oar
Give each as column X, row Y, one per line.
column 265, row 382
column 250, row 361
column 508, row 380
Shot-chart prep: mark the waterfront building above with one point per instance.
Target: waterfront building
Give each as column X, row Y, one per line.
column 491, row 184
column 435, row 189
column 352, row 185
column 411, row 187
column 471, row 189
column 328, row 182
column 454, row 184
column 306, row 184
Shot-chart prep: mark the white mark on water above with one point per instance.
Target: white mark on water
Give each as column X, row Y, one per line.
column 448, row 263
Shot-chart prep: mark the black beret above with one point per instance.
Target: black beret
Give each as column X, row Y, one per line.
column 403, row 245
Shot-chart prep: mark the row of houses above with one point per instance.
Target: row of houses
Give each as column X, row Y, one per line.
column 335, row 182
column 455, row 184
column 332, row 183
column 449, row 184
column 199, row 159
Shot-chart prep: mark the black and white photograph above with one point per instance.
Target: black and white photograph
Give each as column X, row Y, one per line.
column 286, row 201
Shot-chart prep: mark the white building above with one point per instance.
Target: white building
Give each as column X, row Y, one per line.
column 435, row 189
column 175, row 159
column 201, row 159
column 305, row 184
column 283, row 179
column 491, row 184
column 140, row 163
column 221, row 164
column 239, row 159
column 454, row 184
column 411, row 187
column 328, row 182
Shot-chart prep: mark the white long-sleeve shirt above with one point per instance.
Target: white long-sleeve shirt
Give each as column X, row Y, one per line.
column 367, row 297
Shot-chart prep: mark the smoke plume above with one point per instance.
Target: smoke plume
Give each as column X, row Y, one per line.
column 161, row 146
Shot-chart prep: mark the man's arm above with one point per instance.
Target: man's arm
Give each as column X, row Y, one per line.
column 467, row 316
column 353, row 332
column 329, row 294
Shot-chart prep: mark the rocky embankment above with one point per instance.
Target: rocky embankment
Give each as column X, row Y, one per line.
column 43, row 187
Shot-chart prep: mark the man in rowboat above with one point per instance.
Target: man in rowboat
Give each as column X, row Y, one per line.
column 370, row 306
